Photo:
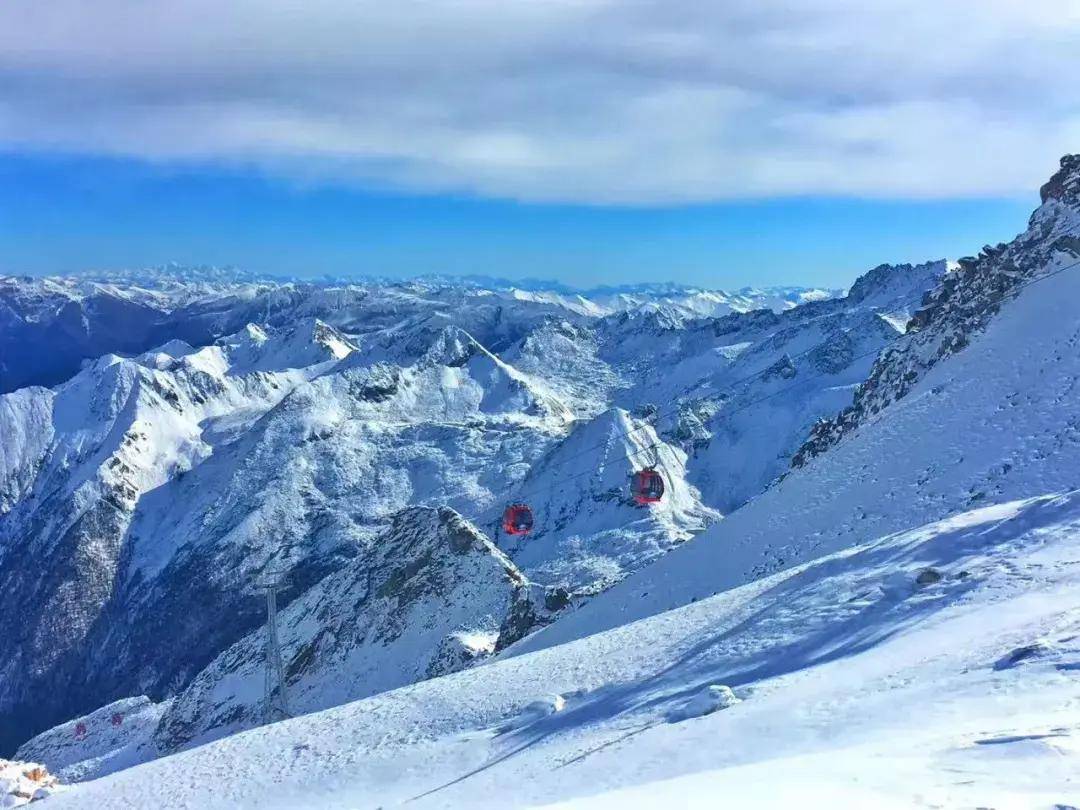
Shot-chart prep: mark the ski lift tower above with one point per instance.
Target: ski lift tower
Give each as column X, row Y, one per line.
column 275, row 701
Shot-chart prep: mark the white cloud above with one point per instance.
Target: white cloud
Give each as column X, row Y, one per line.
column 576, row 100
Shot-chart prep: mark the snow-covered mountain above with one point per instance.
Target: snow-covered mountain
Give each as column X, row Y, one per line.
column 975, row 406
column 891, row 621
column 142, row 497
column 348, row 438
column 48, row 326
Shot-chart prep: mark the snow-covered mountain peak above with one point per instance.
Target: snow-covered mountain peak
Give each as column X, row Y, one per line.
column 175, row 274
column 453, row 346
column 464, row 361
column 589, row 532
column 886, row 283
column 307, row 343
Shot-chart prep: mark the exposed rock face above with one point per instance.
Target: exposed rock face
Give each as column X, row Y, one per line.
column 431, row 596
column 961, row 306
column 1064, row 186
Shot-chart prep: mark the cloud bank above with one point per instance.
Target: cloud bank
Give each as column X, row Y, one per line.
column 592, row 101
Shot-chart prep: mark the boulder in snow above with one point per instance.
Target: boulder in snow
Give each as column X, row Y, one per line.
column 537, row 710
column 710, row 699
column 928, row 576
column 1028, row 652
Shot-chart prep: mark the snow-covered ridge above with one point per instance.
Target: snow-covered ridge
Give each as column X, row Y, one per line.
column 963, row 304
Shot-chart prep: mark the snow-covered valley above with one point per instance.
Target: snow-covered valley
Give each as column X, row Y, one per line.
column 861, row 587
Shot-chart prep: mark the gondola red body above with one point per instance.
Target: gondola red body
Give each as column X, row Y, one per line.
column 517, row 519
column 647, row 486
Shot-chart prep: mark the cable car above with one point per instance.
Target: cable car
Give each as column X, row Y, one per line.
column 517, row 519
column 647, row 486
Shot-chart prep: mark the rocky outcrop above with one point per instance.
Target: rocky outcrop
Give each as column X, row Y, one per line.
column 955, row 311
column 1064, row 186
column 25, row 782
column 115, row 736
column 431, row 596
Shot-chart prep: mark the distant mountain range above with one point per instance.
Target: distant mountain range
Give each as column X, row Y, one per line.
column 129, row 311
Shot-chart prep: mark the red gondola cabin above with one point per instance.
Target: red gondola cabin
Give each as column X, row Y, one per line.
column 517, row 519
column 647, row 486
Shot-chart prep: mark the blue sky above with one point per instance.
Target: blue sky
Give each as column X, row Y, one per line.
column 590, row 141
column 65, row 214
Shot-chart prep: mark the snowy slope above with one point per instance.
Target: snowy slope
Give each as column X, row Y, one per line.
column 859, row 686
column 989, row 420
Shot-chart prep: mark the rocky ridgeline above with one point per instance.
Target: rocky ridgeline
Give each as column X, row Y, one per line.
column 434, row 596
column 961, row 305
column 93, row 745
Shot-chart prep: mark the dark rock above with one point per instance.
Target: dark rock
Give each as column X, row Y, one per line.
column 928, row 576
